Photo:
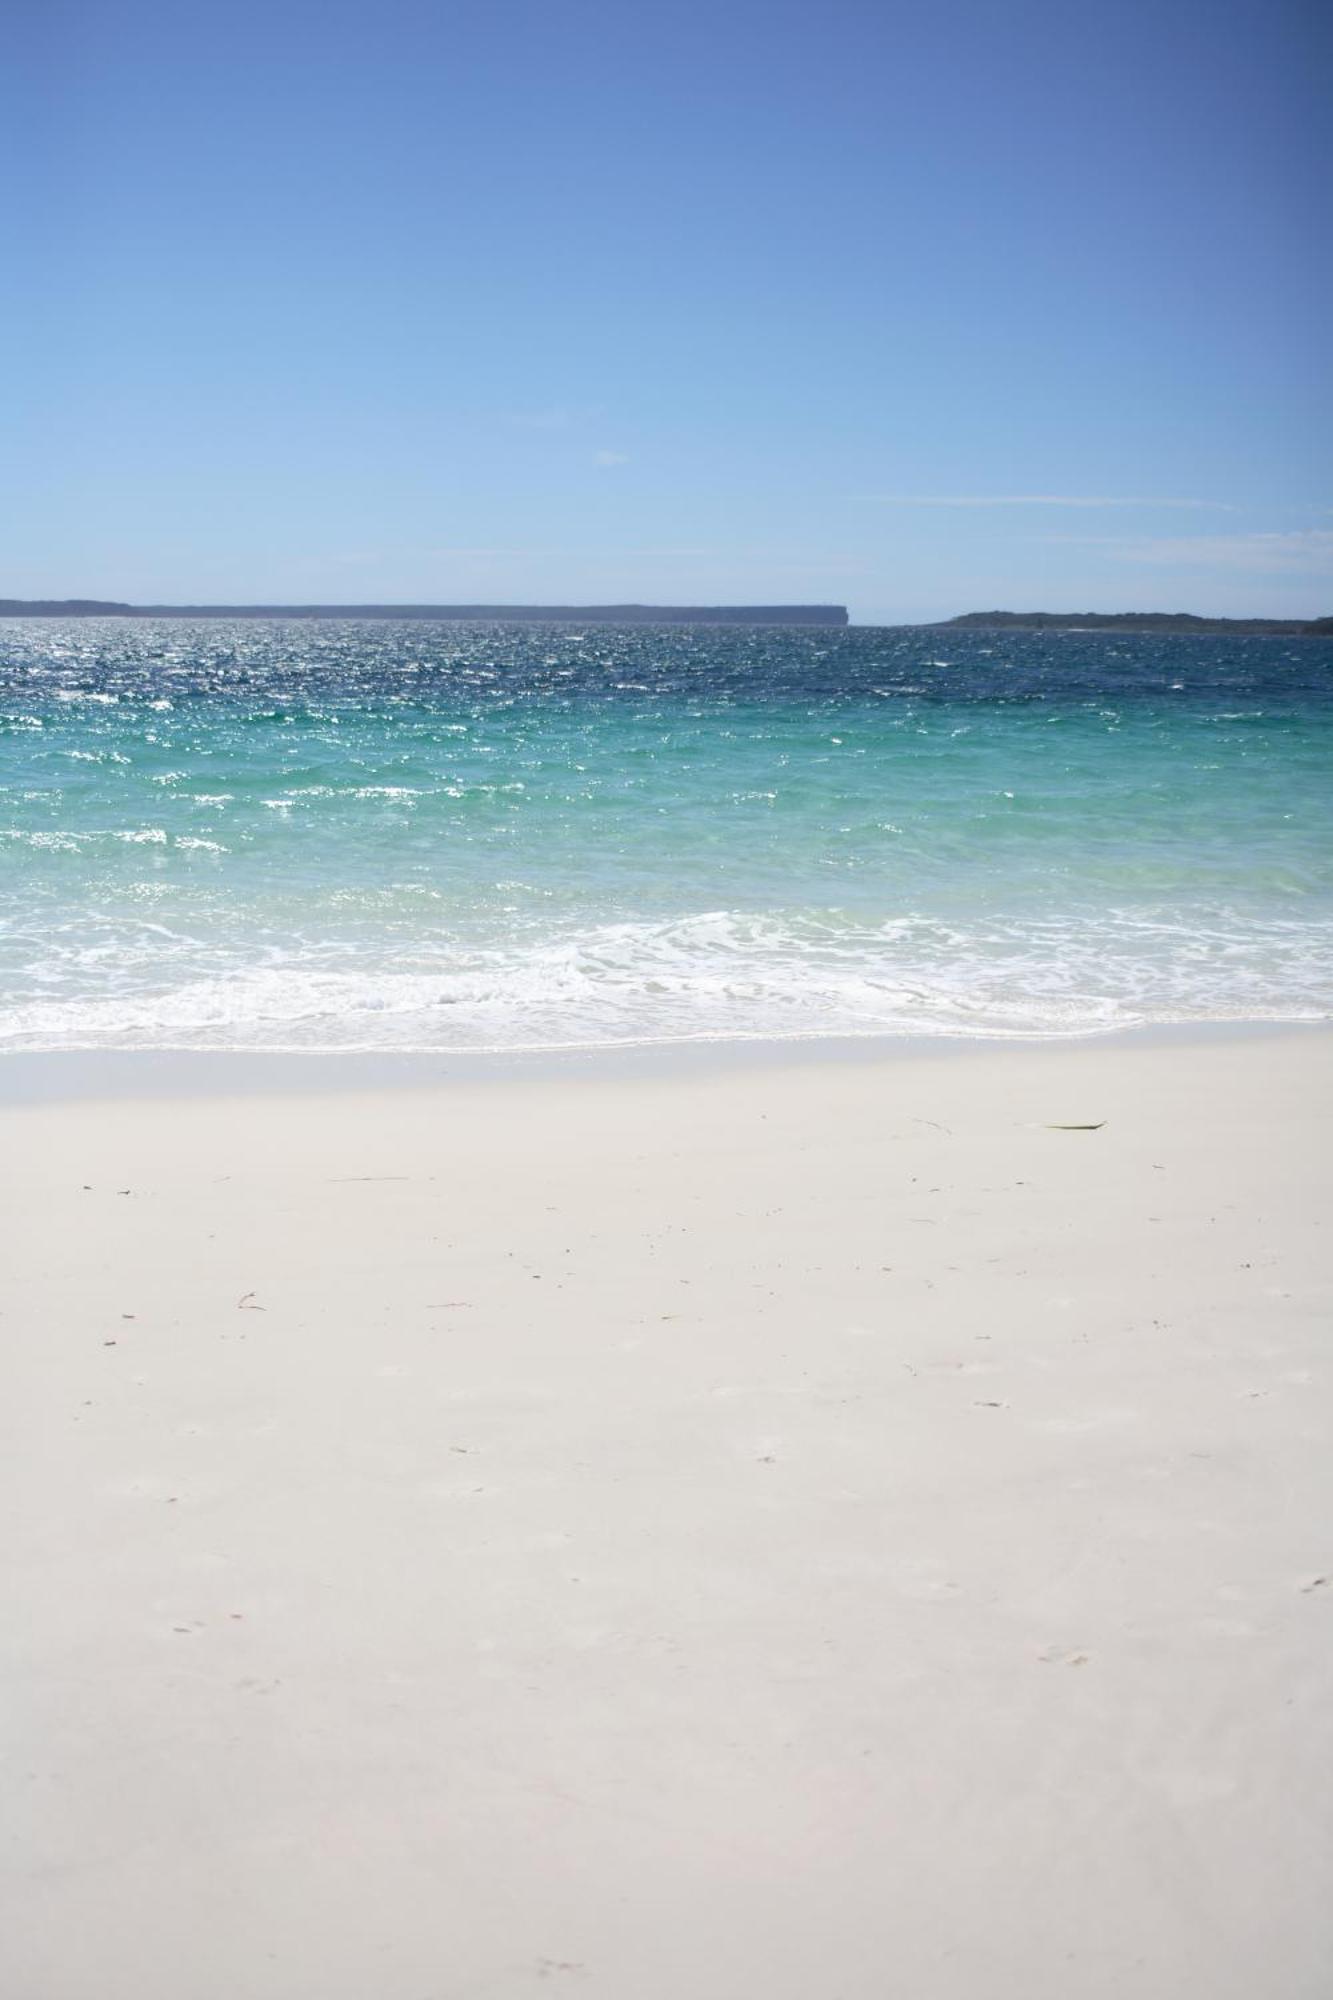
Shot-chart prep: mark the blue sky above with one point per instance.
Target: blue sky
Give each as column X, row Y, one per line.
column 916, row 308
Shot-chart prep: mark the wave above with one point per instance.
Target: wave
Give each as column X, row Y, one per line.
column 714, row 976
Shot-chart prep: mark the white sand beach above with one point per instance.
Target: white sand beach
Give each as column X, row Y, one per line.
column 805, row 1530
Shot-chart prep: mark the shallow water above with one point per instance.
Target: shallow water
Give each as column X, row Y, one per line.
column 396, row 836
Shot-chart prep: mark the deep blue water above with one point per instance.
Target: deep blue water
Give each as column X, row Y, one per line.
column 396, row 835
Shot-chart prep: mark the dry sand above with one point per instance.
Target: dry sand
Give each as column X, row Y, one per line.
column 794, row 1532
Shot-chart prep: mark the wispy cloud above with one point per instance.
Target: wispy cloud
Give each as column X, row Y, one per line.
column 1306, row 551
column 610, row 458
column 473, row 555
column 557, row 418
column 1042, row 500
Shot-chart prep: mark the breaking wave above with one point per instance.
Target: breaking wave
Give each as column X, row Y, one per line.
column 717, row 976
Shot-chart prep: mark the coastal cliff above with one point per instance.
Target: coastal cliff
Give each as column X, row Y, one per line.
column 541, row 614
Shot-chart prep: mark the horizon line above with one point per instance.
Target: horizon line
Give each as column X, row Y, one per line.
column 836, row 616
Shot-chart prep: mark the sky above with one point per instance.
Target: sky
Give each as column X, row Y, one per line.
column 916, row 308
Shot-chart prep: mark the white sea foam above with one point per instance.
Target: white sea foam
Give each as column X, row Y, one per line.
column 720, row 975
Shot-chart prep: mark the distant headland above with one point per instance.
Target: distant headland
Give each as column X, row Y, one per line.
column 676, row 614
column 540, row 614
column 1134, row 621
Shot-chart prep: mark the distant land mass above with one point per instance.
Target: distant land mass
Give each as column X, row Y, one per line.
column 1133, row 621
column 675, row 614
column 544, row 614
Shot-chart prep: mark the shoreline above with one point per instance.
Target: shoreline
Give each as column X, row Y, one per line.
column 38, row 1076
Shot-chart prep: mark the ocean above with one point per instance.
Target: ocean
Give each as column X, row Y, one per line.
column 392, row 836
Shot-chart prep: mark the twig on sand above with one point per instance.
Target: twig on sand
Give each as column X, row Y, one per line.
column 247, row 1303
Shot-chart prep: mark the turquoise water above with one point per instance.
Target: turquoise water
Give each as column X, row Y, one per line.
column 361, row 835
